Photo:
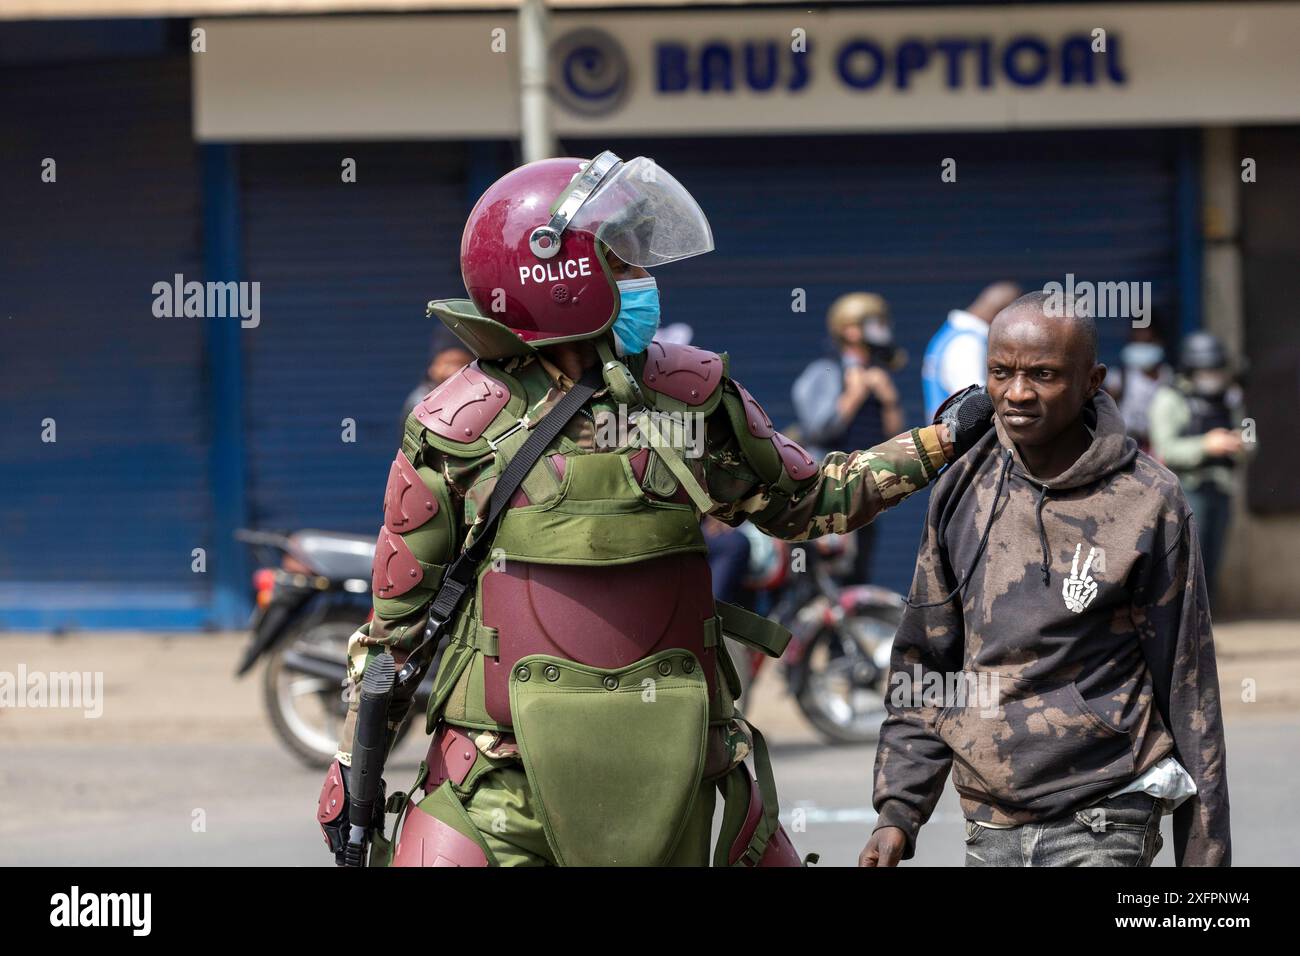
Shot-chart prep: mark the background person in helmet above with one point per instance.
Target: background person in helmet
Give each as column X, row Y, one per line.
column 1195, row 432
column 582, row 709
column 849, row 400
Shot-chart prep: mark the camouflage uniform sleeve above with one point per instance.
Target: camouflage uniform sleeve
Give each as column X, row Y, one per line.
column 912, row 762
column 757, row 474
column 1178, row 644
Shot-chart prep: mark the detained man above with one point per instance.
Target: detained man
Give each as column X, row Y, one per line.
column 1059, row 570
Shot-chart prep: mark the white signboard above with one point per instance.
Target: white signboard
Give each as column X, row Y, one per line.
column 702, row 73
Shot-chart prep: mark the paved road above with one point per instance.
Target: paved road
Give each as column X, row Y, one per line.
column 189, row 774
column 99, row 805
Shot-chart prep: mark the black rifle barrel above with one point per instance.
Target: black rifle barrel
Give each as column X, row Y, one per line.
column 370, row 746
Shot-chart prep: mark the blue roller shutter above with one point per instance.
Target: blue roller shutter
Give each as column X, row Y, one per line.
column 99, row 526
column 345, row 272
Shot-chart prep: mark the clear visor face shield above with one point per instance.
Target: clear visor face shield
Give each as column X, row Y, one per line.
column 636, row 208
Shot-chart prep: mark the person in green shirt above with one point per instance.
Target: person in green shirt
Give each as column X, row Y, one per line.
column 1195, row 431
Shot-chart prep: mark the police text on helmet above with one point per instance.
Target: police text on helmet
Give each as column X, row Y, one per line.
column 555, row 271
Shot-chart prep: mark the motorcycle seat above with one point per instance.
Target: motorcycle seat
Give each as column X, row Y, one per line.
column 335, row 555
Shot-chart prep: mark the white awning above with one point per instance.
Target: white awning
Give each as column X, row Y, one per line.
column 109, row 9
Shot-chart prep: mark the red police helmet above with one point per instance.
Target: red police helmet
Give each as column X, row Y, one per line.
column 532, row 252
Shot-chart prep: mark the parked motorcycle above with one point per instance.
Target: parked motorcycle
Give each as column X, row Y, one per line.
column 837, row 662
column 313, row 591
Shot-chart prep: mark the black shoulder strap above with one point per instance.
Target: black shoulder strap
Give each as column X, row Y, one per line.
column 460, row 575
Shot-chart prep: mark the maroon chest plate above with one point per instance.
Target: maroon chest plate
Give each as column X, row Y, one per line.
column 608, row 616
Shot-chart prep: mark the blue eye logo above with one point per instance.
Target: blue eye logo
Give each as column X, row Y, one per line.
column 589, row 72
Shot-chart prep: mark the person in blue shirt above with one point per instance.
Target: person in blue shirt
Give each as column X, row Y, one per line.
column 956, row 354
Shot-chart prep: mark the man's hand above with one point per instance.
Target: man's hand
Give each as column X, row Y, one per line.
column 967, row 415
column 885, row 848
column 879, row 384
column 1219, row 442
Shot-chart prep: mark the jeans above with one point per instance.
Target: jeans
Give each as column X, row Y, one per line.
column 1119, row 831
column 1211, row 508
column 728, row 565
column 865, row 538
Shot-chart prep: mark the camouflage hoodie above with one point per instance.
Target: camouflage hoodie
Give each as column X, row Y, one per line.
column 1085, row 614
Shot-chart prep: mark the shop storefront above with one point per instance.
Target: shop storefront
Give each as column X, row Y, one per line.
column 919, row 153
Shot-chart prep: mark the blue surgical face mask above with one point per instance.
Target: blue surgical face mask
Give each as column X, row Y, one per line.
column 638, row 315
column 1143, row 355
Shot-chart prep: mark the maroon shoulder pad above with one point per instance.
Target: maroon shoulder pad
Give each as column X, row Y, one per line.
column 463, row 406
column 760, row 425
column 682, row 372
column 798, row 462
column 408, row 502
column 395, row 570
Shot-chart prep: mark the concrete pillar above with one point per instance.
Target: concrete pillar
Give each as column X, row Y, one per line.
column 537, row 138
column 1257, row 574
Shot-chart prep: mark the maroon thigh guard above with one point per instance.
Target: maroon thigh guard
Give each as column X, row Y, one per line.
column 427, row 841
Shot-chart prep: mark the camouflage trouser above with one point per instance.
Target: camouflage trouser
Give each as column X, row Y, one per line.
column 1119, row 831
column 503, row 811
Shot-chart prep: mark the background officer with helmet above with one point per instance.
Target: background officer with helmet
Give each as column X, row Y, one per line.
column 1194, row 425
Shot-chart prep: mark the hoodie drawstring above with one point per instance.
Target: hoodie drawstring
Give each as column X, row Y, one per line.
column 984, row 540
column 1042, row 535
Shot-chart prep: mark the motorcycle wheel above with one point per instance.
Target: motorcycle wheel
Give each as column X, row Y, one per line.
column 307, row 712
column 839, row 688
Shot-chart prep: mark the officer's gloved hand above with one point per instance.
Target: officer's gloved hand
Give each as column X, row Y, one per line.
column 335, row 806
column 332, row 814
column 968, row 414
